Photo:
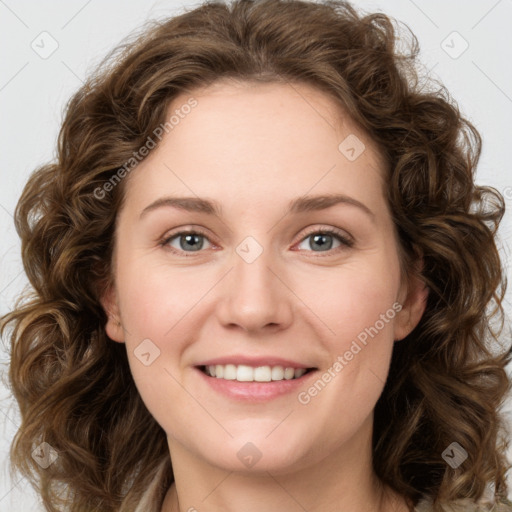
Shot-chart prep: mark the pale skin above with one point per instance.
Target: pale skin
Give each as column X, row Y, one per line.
column 253, row 149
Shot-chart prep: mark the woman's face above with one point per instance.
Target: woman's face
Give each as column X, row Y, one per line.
column 266, row 170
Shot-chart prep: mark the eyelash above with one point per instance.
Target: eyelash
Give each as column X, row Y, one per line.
column 345, row 241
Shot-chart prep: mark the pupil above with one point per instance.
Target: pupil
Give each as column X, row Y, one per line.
column 191, row 238
column 320, row 241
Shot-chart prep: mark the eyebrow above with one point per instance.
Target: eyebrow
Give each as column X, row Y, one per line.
column 298, row 205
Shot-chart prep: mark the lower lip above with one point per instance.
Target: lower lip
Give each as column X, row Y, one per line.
column 255, row 391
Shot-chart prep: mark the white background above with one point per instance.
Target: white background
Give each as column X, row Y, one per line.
column 33, row 92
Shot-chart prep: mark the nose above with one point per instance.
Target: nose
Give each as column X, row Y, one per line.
column 255, row 296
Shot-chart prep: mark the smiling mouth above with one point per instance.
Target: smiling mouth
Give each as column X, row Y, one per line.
column 245, row 373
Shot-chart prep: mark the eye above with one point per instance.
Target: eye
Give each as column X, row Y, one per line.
column 190, row 241
column 185, row 240
column 322, row 239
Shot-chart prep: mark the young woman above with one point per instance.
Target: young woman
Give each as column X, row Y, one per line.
column 263, row 279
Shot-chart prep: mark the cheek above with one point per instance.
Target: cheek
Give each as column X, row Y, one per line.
column 358, row 304
column 154, row 298
column 154, row 312
column 357, row 299
column 161, row 305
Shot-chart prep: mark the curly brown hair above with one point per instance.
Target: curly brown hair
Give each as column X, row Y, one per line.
column 447, row 381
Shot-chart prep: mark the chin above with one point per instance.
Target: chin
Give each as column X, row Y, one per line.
column 259, row 455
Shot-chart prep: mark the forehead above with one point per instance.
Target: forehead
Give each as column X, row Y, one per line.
column 242, row 137
column 297, row 106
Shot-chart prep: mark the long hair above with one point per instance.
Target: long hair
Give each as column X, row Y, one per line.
column 447, row 381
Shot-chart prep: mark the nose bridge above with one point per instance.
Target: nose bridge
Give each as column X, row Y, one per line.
column 254, row 296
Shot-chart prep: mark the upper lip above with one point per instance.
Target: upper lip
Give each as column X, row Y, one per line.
column 254, row 361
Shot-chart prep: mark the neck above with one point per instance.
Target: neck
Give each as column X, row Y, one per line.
column 342, row 481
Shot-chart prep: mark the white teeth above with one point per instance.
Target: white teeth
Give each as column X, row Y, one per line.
column 277, row 373
column 245, row 373
column 262, row 374
column 289, row 373
column 299, row 372
column 229, row 372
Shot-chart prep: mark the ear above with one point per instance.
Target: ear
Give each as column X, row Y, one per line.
column 413, row 299
column 110, row 303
